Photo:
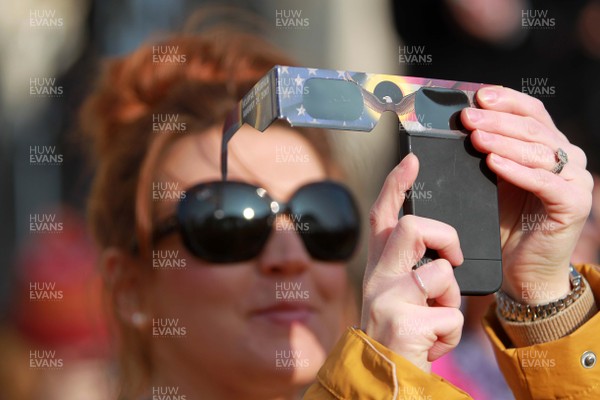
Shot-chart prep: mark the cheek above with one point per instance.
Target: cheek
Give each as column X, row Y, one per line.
column 198, row 290
column 195, row 288
column 338, row 307
column 331, row 280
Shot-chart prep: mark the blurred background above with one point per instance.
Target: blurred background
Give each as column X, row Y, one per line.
column 51, row 52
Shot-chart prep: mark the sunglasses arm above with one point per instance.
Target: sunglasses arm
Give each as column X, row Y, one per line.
column 163, row 229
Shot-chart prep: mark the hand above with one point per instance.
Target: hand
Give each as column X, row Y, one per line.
column 396, row 310
column 541, row 213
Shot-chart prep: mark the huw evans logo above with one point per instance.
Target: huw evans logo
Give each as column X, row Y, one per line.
column 290, row 359
column 291, row 19
column 291, row 223
column 418, row 192
column 44, row 155
column 288, row 86
column 44, row 359
column 167, row 393
column 534, row 154
column 414, row 55
column 45, row 19
column 290, row 291
column 167, row 259
column 44, row 87
column 44, row 223
column 536, row 222
column 412, row 258
column 164, row 191
column 168, row 328
column 533, row 291
column 413, row 327
column 538, row 87
column 42, row 291
column 424, row 121
column 413, row 393
column 167, row 54
column 291, row 154
column 537, row 19
column 168, row 123
column 536, row 359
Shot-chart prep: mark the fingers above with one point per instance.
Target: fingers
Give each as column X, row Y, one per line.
column 510, row 101
column 529, row 154
column 410, row 238
column 438, row 279
column 519, row 127
column 516, row 115
column 556, row 193
column 420, row 334
column 406, row 245
column 384, row 212
column 521, row 140
column 448, row 330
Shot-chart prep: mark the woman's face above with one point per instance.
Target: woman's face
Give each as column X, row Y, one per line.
column 269, row 321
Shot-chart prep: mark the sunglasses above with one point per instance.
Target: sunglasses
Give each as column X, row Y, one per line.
column 228, row 222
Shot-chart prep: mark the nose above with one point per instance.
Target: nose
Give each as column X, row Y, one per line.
column 284, row 252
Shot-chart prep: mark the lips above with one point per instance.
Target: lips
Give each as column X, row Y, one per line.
column 285, row 313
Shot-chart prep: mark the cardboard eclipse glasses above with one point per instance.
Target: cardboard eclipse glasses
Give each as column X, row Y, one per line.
column 344, row 100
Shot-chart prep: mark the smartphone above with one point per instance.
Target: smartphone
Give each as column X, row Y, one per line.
column 454, row 185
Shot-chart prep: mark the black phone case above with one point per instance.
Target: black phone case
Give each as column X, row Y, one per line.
column 455, row 186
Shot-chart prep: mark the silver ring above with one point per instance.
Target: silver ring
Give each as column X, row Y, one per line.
column 420, row 283
column 561, row 160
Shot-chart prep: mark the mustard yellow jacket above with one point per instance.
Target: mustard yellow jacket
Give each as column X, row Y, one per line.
column 361, row 368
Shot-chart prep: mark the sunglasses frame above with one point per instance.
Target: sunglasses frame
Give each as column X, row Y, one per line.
column 173, row 224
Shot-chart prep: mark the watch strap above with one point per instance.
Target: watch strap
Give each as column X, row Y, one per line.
column 542, row 330
column 514, row 311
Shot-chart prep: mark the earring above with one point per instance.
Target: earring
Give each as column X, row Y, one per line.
column 139, row 319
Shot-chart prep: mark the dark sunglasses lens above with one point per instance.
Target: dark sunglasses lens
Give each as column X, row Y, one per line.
column 224, row 222
column 331, row 220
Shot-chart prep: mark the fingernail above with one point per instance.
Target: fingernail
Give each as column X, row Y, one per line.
column 473, row 114
column 499, row 161
column 487, row 95
column 484, row 136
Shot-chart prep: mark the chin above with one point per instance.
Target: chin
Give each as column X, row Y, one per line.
column 294, row 356
column 305, row 355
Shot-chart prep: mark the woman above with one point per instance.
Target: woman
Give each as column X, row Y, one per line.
column 254, row 315
column 270, row 318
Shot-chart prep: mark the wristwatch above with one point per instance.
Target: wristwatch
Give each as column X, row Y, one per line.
column 512, row 310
